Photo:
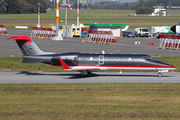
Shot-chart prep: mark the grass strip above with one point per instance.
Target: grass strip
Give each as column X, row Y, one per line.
column 96, row 14
column 87, row 14
column 15, row 63
column 132, row 24
column 89, row 101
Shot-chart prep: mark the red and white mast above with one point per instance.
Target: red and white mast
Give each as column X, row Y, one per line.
column 77, row 12
column 38, row 4
column 57, row 17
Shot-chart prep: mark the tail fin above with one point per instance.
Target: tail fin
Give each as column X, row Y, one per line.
column 125, row 29
column 28, row 47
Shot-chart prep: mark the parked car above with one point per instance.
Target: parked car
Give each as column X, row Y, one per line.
column 128, row 34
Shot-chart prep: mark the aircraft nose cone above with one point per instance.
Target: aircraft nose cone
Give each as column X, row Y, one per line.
column 174, row 67
column 173, row 28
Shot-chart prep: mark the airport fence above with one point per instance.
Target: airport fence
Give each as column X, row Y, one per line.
column 169, row 41
column 3, row 30
column 103, row 37
column 40, row 32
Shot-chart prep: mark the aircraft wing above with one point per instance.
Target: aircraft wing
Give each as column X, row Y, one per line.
column 65, row 67
column 84, row 69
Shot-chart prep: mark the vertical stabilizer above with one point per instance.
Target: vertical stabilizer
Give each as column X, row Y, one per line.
column 28, row 47
column 126, row 28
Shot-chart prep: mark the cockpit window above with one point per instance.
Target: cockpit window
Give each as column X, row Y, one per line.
column 148, row 58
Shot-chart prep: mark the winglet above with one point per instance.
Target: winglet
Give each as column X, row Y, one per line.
column 64, row 65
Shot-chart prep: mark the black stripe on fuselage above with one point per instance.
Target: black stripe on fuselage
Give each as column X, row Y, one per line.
column 107, row 59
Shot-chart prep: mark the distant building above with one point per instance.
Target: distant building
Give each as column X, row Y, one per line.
column 83, row 1
column 93, row 1
column 173, row 7
column 159, row 11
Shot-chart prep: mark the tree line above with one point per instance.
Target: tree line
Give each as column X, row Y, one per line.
column 21, row 6
column 29, row 6
column 134, row 5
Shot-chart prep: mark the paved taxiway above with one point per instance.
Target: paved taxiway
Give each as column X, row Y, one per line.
column 7, row 76
column 125, row 45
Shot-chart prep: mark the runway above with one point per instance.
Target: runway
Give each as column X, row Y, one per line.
column 23, row 77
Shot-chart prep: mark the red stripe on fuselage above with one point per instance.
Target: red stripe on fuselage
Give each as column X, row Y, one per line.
column 117, row 66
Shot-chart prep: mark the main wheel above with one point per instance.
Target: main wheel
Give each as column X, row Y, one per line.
column 89, row 72
column 159, row 75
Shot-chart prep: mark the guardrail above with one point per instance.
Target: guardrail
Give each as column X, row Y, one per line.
column 3, row 30
column 39, row 32
column 103, row 37
column 169, row 41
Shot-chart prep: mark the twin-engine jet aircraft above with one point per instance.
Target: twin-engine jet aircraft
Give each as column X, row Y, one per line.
column 89, row 62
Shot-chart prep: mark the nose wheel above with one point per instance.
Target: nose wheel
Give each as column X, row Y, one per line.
column 159, row 75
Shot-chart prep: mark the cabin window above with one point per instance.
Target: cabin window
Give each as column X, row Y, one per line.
column 112, row 58
column 91, row 58
column 77, row 28
column 106, row 59
column 129, row 59
column 123, row 59
column 95, row 58
column 117, row 59
column 148, row 58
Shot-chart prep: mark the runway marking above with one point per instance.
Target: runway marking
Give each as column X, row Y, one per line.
column 134, row 41
column 13, row 50
column 137, row 46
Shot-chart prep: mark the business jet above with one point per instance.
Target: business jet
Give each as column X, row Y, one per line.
column 86, row 63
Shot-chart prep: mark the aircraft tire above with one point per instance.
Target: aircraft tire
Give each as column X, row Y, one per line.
column 89, row 72
column 159, row 75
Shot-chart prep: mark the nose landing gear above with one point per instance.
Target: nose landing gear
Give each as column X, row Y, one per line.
column 159, row 75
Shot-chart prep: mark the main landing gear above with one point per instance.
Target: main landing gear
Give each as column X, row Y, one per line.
column 159, row 75
column 85, row 73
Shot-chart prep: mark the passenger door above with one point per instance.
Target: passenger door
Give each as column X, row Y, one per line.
column 101, row 60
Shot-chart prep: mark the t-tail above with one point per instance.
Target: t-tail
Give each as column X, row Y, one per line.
column 28, row 47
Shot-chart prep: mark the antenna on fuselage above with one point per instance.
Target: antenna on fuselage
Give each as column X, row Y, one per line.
column 103, row 52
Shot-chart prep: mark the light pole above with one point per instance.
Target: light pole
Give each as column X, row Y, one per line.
column 38, row 4
column 66, row 21
column 77, row 12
